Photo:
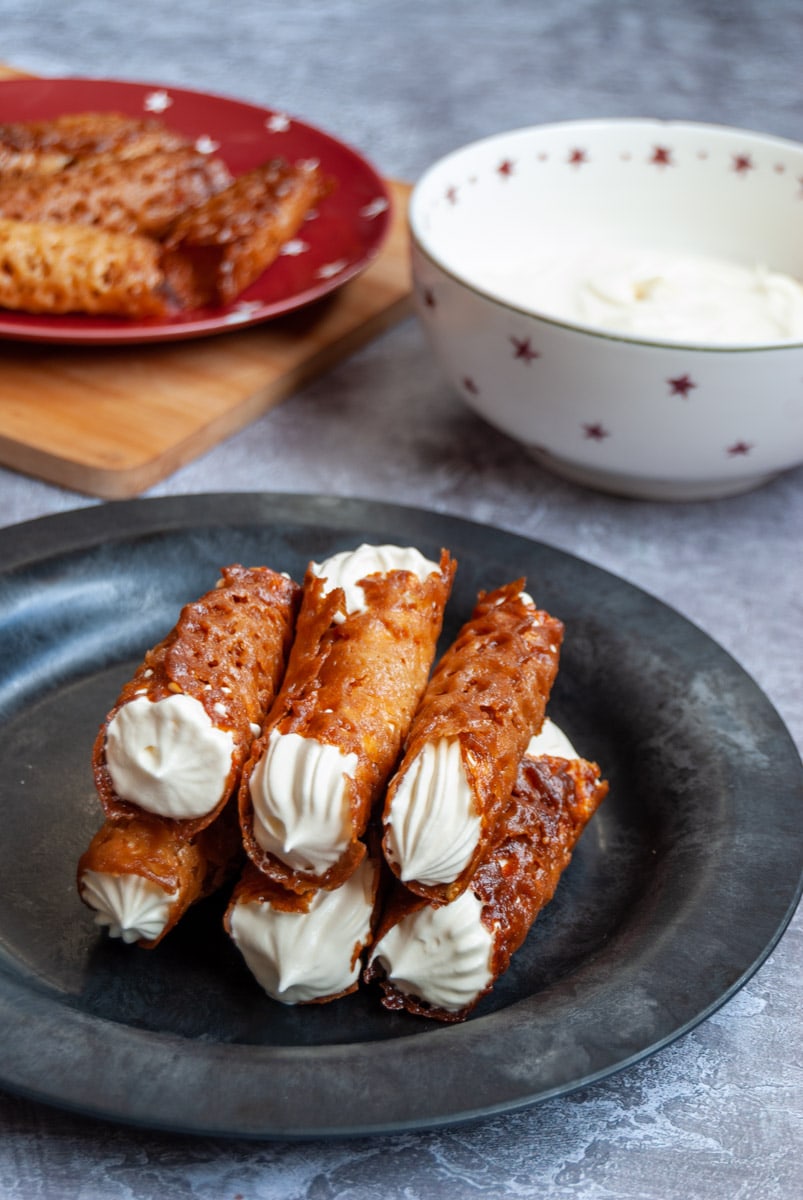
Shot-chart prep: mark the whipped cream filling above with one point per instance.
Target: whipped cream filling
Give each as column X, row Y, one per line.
column 301, row 956
column 167, row 757
column 551, row 740
column 433, row 825
column 440, row 954
column 131, row 907
column 301, row 811
column 651, row 292
column 346, row 569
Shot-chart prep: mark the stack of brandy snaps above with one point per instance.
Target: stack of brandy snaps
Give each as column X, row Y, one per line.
column 106, row 214
column 398, row 824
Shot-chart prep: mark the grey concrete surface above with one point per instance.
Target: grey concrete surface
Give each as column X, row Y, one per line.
column 719, row 1114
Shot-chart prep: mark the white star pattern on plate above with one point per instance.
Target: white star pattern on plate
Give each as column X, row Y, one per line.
column 242, row 311
column 294, row 247
column 212, row 126
column 375, row 208
column 332, row 268
column 206, row 144
column 308, row 164
column 277, row 123
column 157, row 102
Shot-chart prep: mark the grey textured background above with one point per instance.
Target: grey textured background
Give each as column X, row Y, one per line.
column 720, row 1113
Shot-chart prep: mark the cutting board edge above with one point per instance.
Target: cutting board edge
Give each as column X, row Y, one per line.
column 126, row 482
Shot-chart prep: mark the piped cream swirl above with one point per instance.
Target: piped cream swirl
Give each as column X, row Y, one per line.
column 129, row 905
column 298, row 790
column 441, row 954
column 301, row 956
column 433, row 825
column 167, row 757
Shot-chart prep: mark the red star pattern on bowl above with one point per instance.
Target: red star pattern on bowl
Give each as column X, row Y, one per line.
column 681, row 386
column 523, row 349
column 672, row 419
column 661, row 157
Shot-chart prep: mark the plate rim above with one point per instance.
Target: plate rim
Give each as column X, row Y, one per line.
column 135, row 333
column 75, row 531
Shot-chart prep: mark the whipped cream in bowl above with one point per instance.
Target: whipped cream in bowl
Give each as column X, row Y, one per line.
column 649, row 292
column 624, row 297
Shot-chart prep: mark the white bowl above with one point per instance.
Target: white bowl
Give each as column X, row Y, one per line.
column 652, row 416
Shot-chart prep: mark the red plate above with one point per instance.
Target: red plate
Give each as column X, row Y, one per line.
column 332, row 247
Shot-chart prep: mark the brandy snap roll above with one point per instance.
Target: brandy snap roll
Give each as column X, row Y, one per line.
column 31, row 147
column 439, row 960
column 140, row 876
column 365, row 640
column 74, row 268
column 485, row 700
column 305, row 948
column 238, row 233
column 15, row 163
column 174, row 743
column 141, row 195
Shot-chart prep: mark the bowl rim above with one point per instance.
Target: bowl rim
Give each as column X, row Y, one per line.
column 424, row 246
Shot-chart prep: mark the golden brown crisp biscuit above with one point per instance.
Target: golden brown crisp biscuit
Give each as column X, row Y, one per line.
column 488, row 693
column 48, row 145
column 246, row 225
column 227, row 651
column 187, row 869
column 73, row 268
column 353, row 681
column 124, row 195
column 15, row 163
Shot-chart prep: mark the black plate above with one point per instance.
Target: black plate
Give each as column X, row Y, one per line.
column 680, row 888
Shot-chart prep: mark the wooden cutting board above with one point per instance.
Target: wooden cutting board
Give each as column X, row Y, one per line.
column 111, row 422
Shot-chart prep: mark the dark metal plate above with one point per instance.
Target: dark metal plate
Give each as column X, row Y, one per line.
column 680, row 887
